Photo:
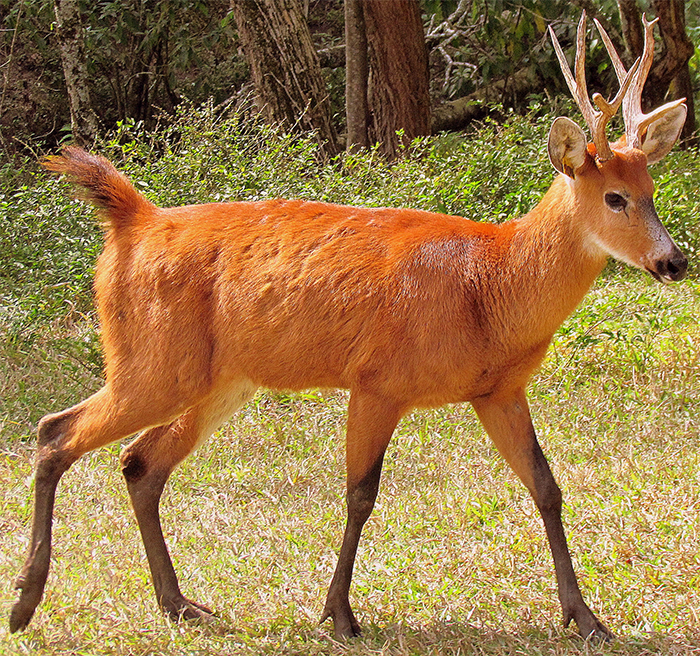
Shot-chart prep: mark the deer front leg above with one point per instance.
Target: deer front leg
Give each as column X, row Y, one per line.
column 506, row 419
column 371, row 422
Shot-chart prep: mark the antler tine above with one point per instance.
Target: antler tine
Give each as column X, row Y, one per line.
column 577, row 85
column 617, row 62
column 612, row 106
column 632, row 108
column 636, row 121
column 596, row 120
column 609, row 109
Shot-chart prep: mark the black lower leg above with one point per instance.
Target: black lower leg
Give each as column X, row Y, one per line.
column 50, row 466
column 360, row 502
column 145, row 489
column 549, row 502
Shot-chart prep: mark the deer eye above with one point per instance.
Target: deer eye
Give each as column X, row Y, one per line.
column 615, row 202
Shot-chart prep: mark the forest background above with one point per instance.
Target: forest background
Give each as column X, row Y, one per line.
column 70, row 68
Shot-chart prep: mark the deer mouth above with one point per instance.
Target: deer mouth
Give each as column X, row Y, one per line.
column 662, row 279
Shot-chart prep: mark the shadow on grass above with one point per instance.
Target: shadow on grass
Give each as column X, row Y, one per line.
column 454, row 637
column 285, row 637
column 288, row 638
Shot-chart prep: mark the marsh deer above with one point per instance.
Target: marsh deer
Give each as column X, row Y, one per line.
column 202, row 305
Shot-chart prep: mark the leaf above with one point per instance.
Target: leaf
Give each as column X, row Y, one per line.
column 539, row 23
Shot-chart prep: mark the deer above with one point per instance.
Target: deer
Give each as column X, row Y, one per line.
column 200, row 306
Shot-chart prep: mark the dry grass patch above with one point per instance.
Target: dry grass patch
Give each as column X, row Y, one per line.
column 454, row 559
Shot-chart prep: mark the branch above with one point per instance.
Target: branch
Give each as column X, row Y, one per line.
column 455, row 114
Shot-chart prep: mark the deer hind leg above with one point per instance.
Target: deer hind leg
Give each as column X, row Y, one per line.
column 371, row 422
column 147, row 463
column 507, row 421
column 62, row 438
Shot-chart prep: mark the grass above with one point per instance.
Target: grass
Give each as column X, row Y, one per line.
column 454, row 559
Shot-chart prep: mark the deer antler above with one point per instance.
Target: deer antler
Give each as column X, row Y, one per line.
column 596, row 120
column 636, row 121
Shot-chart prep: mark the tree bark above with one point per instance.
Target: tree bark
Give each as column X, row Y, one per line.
column 632, row 30
column 682, row 87
column 356, row 74
column 399, row 81
column 284, row 66
column 670, row 79
column 71, row 45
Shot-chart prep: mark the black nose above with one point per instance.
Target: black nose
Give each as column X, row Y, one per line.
column 674, row 268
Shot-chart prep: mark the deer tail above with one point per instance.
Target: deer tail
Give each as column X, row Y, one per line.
column 119, row 204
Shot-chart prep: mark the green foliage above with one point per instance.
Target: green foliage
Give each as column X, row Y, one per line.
column 677, row 198
column 48, row 245
column 496, row 39
column 143, row 58
column 205, row 157
column 178, row 48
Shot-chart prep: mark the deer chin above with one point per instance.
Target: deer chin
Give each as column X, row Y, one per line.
column 662, row 279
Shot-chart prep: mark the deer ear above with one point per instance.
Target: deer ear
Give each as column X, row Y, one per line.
column 566, row 146
column 663, row 133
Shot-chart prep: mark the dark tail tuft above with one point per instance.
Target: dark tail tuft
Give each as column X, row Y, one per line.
column 110, row 191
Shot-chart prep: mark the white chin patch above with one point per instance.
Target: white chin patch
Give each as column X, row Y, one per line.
column 596, row 249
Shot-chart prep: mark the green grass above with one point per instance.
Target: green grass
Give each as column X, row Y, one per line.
column 454, row 559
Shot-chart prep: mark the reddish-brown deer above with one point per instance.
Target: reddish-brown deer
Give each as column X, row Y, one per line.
column 201, row 305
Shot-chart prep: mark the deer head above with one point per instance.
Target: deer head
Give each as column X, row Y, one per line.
column 611, row 182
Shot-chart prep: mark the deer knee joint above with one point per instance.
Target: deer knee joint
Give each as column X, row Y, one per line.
column 50, row 466
column 361, row 502
column 133, row 466
column 549, row 497
column 52, row 459
column 53, row 427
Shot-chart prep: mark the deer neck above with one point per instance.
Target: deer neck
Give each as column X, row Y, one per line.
column 552, row 261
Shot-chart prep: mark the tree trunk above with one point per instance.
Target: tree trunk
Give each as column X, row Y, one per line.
column 284, row 66
column 399, row 81
column 71, row 46
column 356, row 74
column 632, row 30
column 682, row 87
column 671, row 78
